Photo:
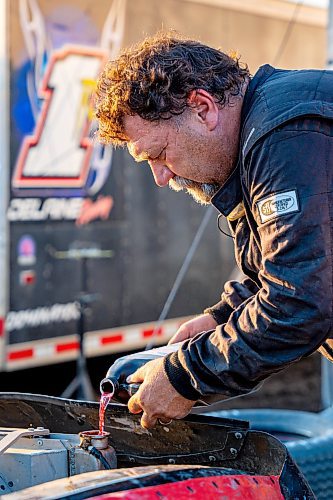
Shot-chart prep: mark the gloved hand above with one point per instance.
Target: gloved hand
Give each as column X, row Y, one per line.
column 190, row 328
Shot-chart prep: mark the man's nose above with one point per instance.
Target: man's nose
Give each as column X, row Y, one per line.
column 162, row 174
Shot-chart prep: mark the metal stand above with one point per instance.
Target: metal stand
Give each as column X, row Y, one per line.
column 81, row 384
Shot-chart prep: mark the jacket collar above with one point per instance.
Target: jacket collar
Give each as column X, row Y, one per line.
column 230, row 194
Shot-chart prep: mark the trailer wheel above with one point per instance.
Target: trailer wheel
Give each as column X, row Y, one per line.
column 314, row 457
column 308, row 437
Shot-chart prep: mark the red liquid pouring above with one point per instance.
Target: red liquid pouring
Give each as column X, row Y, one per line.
column 104, row 401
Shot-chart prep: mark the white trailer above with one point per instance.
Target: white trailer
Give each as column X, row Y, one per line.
column 75, row 217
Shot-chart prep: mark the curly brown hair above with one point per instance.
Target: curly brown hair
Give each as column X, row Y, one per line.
column 154, row 79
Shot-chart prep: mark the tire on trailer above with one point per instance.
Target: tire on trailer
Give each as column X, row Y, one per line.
column 308, row 437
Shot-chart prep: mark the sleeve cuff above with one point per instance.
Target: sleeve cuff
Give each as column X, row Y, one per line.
column 220, row 312
column 179, row 378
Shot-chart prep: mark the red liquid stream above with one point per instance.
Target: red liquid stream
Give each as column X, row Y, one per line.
column 104, row 401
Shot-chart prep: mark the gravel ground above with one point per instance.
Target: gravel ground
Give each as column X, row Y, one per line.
column 296, row 388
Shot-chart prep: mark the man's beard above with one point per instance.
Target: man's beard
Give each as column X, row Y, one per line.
column 201, row 192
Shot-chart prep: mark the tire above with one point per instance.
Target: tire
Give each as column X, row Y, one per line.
column 308, row 437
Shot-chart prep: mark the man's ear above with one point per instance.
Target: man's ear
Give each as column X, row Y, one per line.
column 204, row 105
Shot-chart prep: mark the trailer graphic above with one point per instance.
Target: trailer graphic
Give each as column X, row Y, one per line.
column 78, row 217
column 59, row 153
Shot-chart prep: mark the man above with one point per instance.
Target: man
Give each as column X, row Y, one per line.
column 261, row 150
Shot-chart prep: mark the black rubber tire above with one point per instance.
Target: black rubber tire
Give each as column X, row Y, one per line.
column 314, row 457
column 308, row 437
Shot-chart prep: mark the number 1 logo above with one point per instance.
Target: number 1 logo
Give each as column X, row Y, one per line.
column 58, row 154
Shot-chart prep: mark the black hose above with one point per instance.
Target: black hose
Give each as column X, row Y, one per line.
column 97, row 454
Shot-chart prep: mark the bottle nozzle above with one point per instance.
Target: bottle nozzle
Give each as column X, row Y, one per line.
column 107, row 386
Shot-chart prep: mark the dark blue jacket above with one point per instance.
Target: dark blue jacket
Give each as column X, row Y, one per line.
column 279, row 204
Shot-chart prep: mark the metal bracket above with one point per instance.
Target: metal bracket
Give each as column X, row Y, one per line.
column 12, row 436
column 233, row 444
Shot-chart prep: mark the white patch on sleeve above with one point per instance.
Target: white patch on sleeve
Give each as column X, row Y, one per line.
column 278, row 204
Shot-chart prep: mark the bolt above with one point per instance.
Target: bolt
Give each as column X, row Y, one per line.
column 172, row 461
column 238, row 435
column 212, row 458
column 40, row 442
column 131, row 459
column 233, row 451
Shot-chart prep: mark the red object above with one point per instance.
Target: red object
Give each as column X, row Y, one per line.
column 70, row 346
column 2, row 326
column 27, row 277
column 208, row 488
column 112, row 339
column 104, row 401
column 152, row 331
column 24, row 353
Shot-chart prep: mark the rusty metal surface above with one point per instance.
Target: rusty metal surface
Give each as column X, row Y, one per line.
column 196, row 440
column 189, row 445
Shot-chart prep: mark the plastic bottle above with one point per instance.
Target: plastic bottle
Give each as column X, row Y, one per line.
column 115, row 380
